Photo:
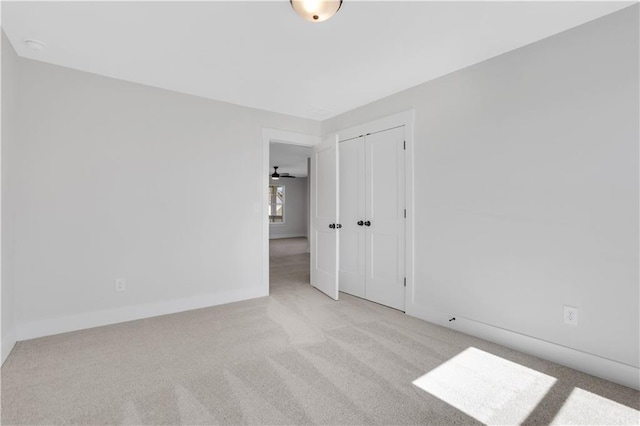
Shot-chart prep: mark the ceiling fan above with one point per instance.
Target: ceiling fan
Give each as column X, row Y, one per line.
column 275, row 175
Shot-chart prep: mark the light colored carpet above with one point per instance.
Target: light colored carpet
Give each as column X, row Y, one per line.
column 295, row 357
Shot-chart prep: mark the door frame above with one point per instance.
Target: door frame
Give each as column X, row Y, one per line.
column 280, row 136
column 406, row 119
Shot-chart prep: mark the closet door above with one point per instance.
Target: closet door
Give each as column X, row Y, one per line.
column 352, row 216
column 385, row 204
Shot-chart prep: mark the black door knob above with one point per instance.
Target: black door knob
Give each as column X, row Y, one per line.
column 360, row 223
column 338, row 226
column 367, row 223
column 332, row 225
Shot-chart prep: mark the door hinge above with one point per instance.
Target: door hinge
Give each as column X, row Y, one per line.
column 404, row 145
column 405, row 213
column 405, row 281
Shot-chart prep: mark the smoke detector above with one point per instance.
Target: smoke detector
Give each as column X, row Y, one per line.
column 35, row 45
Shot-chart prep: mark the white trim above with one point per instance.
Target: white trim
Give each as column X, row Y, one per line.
column 291, row 138
column 47, row 327
column 406, row 119
column 604, row 368
column 282, row 136
column 8, row 343
column 291, row 235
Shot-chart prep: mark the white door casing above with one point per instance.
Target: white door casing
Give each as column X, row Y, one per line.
column 325, row 240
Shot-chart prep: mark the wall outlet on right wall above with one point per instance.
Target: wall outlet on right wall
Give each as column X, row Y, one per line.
column 570, row 315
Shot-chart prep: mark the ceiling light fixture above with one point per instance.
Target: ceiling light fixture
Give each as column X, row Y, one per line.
column 316, row 10
column 35, row 45
column 275, row 175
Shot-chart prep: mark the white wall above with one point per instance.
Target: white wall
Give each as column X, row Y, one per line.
column 295, row 210
column 120, row 180
column 10, row 79
column 526, row 189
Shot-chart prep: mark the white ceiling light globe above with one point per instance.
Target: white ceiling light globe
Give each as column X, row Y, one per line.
column 316, row 10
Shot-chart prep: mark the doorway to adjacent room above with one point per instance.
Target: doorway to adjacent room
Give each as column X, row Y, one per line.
column 287, row 195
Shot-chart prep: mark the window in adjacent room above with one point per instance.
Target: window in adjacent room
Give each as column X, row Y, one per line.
column 276, row 203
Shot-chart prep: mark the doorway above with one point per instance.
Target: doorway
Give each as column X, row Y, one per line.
column 402, row 275
column 287, row 157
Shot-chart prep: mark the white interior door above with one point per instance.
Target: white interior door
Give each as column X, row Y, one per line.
column 384, row 223
column 352, row 216
column 325, row 241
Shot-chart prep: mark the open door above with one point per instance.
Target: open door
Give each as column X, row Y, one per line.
column 324, row 217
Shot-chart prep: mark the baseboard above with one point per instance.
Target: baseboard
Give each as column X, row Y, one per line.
column 595, row 365
column 292, row 235
column 48, row 327
column 8, row 342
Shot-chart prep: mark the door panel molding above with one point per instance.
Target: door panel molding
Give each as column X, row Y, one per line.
column 385, row 204
column 352, row 214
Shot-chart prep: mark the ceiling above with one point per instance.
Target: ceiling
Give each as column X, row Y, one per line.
column 262, row 55
column 290, row 159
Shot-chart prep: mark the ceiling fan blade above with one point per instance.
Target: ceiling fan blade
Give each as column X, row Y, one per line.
column 276, row 175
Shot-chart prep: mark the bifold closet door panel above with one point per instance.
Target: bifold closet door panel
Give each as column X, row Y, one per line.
column 385, row 204
column 352, row 205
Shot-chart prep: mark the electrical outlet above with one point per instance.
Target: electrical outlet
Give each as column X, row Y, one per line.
column 121, row 284
column 571, row 315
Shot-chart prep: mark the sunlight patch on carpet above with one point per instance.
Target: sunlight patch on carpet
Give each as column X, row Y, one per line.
column 486, row 387
column 583, row 407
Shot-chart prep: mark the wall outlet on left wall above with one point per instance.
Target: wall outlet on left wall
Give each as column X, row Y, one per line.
column 121, row 284
column 571, row 315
